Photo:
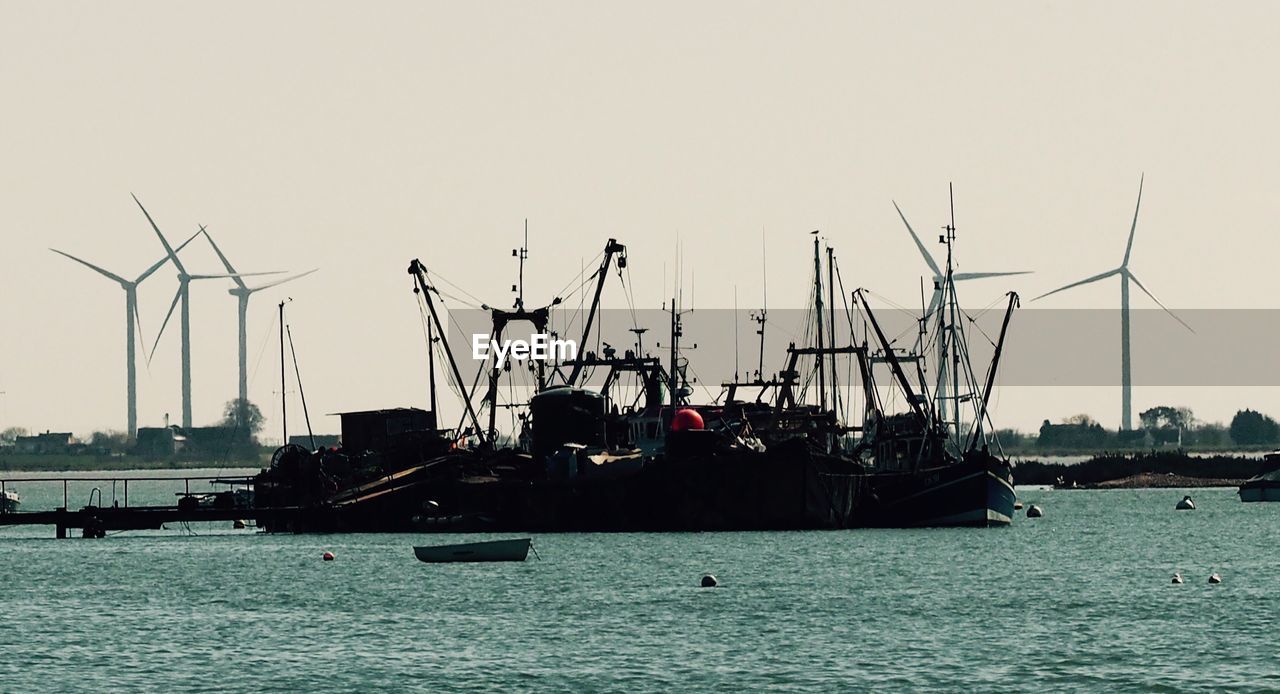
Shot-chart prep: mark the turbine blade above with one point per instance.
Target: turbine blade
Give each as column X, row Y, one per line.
column 177, row 295
column 923, row 251
column 1153, row 298
column 1087, row 280
column 142, row 340
column 234, row 276
column 168, row 249
column 160, row 263
column 225, row 263
column 1129, row 248
column 93, row 267
column 280, row 282
column 962, row 276
column 934, row 301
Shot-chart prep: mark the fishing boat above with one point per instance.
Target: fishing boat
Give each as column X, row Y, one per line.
column 9, row 501
column 636, row 454
column 1265, row 486
column 496, row 550
column 928, row 467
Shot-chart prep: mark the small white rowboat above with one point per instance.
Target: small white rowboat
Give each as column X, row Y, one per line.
column 497, row 550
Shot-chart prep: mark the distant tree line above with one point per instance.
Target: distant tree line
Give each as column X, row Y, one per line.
column 1161, row 426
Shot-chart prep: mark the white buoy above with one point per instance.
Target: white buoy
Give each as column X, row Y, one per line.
column 1215, row 578
column 1177, row 577
column 1017, row 505
column 709, row 581
column 1034, row 511
column 1186, row 504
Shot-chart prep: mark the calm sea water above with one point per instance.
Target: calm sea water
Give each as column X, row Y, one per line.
column 1078, row 600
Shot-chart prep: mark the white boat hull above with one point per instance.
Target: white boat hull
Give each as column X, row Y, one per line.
column 497, row 550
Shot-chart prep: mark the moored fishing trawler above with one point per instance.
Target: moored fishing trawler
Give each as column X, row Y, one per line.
column 636, row 454
column 1265, row 486
column 9, row 501
column 920, row 469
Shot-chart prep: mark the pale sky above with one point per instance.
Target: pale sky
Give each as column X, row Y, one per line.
column 353, row 137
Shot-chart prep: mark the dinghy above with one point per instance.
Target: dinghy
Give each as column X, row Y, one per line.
column 497, row 550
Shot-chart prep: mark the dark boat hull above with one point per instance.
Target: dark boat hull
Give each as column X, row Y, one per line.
column 976, row 493
column 1260, row 490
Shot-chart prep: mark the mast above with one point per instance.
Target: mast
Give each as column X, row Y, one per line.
column 672, row 378
column 419, row 275
column 302, row 393
column 817, row 298
column 954, row 341
column 284, row 399
column 894, row 365
column 991, row 372
column 522, row 252
column 431, row 366
column 831, row 306
column 610, row 249
column 764, row 301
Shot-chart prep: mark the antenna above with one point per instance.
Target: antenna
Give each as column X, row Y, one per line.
column 763, row 316
column 735, row 333
column 522, row 253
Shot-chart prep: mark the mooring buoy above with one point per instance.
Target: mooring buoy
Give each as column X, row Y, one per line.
column 1034, row 511
column 1017, row 505
column 1186, row 504
column 237, row 524
column 327, row 556
column 1215, row 578
column 710, row 581
column 1177, row 578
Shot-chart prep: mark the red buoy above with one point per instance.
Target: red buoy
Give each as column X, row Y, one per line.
column 686, row 419
column 327, row 556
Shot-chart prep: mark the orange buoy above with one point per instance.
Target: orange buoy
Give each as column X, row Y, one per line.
column 327, row 556
column 687, row 419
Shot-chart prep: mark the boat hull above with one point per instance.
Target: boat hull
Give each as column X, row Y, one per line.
column 1250, row 493
column 967, row 494
column 497, row 550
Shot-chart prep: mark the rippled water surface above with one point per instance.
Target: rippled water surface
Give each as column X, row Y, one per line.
column 1080, row 599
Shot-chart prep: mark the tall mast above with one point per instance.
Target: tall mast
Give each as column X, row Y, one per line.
column 431, row 367
column 991, row 373
column 764, row 303
column 817, row 305
column 673, row 378
column 284, row 399
column 419, row 275
column 522, row 253
column 831, row 325
column 955, row 352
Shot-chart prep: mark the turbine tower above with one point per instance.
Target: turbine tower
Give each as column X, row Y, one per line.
column 1126, row 378
column 133, row 324
column 242, row 292
column 939, row 280
column 184, row 295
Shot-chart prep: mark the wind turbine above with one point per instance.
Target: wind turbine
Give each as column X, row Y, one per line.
column 184, row 295
column 1126, row 275
column 939, row 280
column 242, row 292
column 133, row 324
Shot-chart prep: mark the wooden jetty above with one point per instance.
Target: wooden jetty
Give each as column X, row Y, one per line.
column 95, row 520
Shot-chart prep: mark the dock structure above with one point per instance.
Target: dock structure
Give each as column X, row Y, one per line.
column 95, row 520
